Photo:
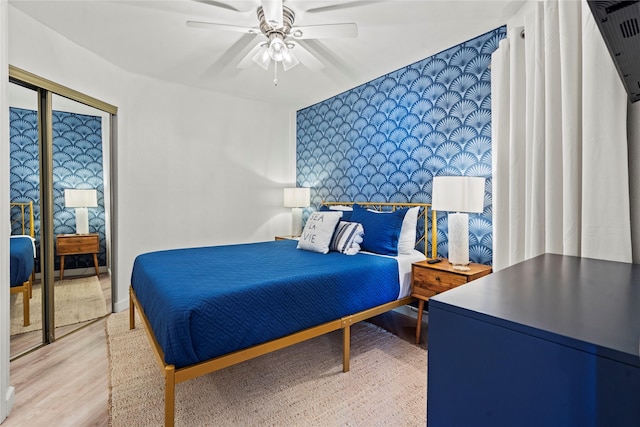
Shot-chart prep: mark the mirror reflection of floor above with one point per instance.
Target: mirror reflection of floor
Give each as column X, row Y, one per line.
column 21, row 342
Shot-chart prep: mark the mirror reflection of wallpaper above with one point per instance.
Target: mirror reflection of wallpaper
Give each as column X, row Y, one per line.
column 385, row 140
column 77, row 163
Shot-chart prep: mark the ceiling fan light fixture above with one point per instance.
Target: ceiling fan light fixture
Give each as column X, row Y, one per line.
column 289, row 61
column 277, row 49
column 262, row 57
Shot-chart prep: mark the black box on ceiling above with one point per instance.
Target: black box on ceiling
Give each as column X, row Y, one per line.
column 619, row 23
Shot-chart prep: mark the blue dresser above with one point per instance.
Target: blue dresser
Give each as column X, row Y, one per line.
column 552, row 341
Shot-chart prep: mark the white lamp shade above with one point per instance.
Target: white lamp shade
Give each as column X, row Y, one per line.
column 80, row 198
column 297, row 197
column 458, row 194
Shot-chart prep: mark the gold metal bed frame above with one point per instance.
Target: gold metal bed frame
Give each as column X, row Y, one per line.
column 26, row 287
column 173, row 376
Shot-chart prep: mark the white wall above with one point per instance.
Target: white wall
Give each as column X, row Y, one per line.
column 6, row 391
column 192, row 167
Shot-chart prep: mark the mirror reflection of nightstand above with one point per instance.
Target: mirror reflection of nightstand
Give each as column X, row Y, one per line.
column 77, row 244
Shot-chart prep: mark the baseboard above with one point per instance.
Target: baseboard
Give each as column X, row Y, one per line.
column 74, row 272
column 121, row 306
column 10, row 399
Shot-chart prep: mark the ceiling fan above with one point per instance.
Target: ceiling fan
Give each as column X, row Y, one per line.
column 280, row 39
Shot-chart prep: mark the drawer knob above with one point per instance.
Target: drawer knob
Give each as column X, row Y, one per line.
column 437, row 278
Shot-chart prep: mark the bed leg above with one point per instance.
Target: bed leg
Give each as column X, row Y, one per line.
column 132, row 311
column 31, row 280
column 25, row 306
column 169, row 395
column 346, row 347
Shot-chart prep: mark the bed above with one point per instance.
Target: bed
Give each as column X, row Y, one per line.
column 22, row 254
column 200, row 313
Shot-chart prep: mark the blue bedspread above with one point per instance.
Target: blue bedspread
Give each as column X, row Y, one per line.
column 21, row 265
column 210, row 301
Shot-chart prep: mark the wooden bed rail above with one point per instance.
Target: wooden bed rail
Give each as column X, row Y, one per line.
column 173, row 376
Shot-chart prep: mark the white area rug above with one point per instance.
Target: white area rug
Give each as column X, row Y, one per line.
column 302, row 385
column 76, row 300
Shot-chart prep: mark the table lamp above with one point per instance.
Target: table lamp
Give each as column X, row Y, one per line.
column 458, row 195
column 81, row 200
column 296, row 199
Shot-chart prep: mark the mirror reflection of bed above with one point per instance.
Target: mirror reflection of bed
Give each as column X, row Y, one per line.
column 80, row 297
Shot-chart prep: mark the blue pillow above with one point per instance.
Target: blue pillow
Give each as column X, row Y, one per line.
column 346, row 214
column 381, row 230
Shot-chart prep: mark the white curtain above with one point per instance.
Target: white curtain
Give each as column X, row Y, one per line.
column 560, row 171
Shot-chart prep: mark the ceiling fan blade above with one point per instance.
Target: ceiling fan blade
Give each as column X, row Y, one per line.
column 272, row 10
column 344, row 5
column 306, row 57
column 218, row 4
column 324, row 31
column 226, row 64
column 226, row 27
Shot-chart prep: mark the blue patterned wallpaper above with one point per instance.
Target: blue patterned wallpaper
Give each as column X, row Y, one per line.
column 77, row 163
column 385, row 140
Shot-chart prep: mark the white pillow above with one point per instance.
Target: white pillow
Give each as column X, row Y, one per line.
column 407, row 239
column 347, row 238
column 340, row 208
column 318, row 231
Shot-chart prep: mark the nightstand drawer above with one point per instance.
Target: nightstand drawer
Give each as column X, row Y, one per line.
column 80, row 244
column 430, row 282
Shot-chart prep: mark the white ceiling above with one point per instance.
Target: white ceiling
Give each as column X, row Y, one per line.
column 150, row 38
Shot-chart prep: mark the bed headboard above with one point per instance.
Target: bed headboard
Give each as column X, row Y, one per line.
column 423, row 218
column 19, row 212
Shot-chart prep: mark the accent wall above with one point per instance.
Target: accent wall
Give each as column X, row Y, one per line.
column 385, row 140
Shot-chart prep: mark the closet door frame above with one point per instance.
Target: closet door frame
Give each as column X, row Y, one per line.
column 45, row 89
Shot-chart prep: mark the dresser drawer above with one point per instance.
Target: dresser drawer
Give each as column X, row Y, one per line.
column 429, row 282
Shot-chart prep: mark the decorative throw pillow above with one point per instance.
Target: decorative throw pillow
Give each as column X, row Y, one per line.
column 318, row 231
column 381, row 230
column 347, row 238
column 407, row 239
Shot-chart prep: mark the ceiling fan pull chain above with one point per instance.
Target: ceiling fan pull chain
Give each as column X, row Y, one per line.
column 275, row 67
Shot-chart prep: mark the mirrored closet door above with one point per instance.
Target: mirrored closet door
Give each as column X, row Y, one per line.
column 25, row 287
column 82, row 288
column 60, row 165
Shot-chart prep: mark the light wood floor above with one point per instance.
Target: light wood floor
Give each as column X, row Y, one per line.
column 24, row 342
column 67, row 383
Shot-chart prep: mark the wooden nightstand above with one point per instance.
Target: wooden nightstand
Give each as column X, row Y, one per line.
column 428, row 280
column 288, row 237
column 77, row 244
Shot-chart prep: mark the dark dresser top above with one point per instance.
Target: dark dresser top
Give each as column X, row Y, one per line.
column 591, row 305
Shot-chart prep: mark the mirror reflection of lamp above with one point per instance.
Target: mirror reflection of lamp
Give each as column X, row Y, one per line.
column 81, row 200
column 458, row 195
column 296, row 199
